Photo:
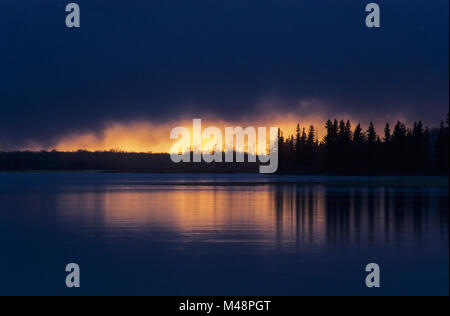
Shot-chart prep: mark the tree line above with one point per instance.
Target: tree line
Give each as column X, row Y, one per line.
column 346, row 150
column 111, row 161
column 402, row 150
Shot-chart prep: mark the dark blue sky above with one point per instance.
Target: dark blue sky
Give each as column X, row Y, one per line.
column 159, row 60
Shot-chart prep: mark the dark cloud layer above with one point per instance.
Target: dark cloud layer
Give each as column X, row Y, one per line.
column 160, row 60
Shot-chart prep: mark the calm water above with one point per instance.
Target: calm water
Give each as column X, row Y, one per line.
column 219, row 235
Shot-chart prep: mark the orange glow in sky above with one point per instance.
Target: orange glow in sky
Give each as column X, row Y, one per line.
column 144, row 136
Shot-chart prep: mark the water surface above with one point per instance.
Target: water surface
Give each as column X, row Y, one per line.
column 222, row 234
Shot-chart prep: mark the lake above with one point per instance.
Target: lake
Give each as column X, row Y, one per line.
column 161, row 234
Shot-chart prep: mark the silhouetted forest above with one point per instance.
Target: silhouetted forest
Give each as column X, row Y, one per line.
column 416, row 150
column 113, row 161
column 347, row 150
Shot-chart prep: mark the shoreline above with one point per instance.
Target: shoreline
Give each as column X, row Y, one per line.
column 236, row 179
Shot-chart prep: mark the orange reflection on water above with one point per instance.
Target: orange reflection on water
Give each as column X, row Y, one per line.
column 213, row 213
column 273, row 216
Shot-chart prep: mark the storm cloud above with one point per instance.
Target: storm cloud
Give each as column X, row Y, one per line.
column 164, row 60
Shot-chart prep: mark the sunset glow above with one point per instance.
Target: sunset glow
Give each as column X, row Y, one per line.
column 144, row 136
